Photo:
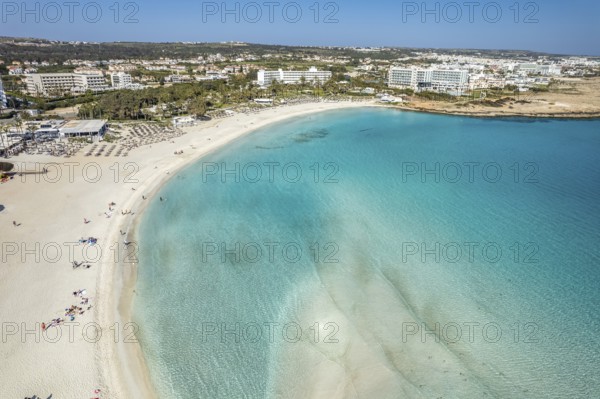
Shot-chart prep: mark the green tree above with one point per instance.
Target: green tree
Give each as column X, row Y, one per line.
column 197, row 106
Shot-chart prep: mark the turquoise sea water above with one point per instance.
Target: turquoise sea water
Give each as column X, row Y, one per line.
column 377, row 253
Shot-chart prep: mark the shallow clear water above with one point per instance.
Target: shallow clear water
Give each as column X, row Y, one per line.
column 378, row 254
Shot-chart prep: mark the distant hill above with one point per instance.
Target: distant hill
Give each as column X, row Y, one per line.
column 35, row 49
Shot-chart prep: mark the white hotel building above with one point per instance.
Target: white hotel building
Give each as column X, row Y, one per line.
column 2, row 96
column 451, row 81
column 61, row 83
column 545, row 70
column 265, row 78
column 120, row 80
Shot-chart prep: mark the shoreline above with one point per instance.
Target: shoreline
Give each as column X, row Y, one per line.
column 126, row 364
column 568, row 98
column 500, row 115
column 130, row 357
column 32, row 292
column 36, row 285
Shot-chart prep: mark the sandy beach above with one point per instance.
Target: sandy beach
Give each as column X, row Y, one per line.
column 95, row 354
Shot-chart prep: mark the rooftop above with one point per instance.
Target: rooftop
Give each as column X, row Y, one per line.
column 92, row 125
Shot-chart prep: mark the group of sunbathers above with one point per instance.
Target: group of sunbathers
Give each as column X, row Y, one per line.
column 89, row 240
column 78, row 264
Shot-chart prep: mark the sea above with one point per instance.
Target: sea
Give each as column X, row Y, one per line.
column 378, row 253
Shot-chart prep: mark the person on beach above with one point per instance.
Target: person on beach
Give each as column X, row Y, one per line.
column 85, row 221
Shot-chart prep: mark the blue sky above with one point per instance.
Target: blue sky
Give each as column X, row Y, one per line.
column 566, row 27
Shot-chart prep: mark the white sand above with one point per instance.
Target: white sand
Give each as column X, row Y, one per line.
column 36, row 284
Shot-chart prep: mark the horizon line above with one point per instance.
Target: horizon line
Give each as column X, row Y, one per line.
column 192, row 42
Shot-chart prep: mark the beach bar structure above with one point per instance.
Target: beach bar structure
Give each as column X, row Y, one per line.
column 267, row 101
column 184, row 121
column 10, row 143
column 84, row 128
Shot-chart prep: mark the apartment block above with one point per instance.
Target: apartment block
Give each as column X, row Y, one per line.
column 120, row 80
column 56, row 84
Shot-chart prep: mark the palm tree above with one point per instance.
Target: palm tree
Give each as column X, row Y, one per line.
column 3, row 131
column 19, row 123
column 276, row 88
